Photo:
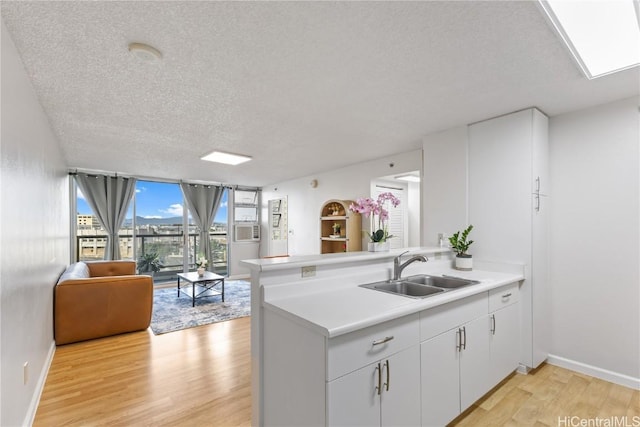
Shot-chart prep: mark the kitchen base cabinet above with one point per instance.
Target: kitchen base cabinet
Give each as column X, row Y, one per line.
column 505, row 333
column 503, row 343
column 385, row 393
column 419, row 369
column 474, row 359
column 440, row 378
column 454, row 371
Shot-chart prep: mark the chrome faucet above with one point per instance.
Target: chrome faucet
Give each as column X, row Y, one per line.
column 397, row 267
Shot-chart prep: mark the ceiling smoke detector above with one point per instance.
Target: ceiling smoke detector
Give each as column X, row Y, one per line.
column 145, row 52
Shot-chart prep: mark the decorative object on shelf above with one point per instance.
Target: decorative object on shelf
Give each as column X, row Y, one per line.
column 376, row 208
column 460, row 245
column 336, row 229
column 202, row 264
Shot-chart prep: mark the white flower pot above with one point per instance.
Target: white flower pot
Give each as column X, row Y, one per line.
column 200, row 271
column 378, row 246
column 464, row 262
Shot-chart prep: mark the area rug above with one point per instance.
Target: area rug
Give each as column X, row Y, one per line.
column 171, row 313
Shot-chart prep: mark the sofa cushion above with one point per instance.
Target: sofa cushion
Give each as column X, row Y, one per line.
column 78, row 270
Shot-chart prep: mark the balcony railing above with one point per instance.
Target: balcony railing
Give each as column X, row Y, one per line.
column 168, row 247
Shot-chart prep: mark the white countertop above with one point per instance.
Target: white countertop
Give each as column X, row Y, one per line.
column 339, row 311
column 285, row 262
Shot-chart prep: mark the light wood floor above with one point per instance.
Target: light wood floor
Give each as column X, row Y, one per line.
column 201, row 377
column 195, row 377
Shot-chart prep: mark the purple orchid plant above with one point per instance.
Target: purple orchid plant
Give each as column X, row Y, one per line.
column 376, row 208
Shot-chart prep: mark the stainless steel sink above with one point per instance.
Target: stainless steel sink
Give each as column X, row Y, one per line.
column 404, row 288
column 420, row 286
column 445, row 282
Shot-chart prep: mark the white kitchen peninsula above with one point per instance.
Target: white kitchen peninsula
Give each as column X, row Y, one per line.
column 328, row 352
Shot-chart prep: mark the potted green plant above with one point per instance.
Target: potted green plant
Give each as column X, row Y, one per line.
column 149, row 263
column 460, row 245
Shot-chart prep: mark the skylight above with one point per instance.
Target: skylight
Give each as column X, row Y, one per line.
column 602, row 35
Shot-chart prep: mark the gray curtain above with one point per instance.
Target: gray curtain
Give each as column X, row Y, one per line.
column 109, row 197
column 203, row 202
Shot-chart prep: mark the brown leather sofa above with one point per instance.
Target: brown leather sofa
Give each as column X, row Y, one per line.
column 99, row 299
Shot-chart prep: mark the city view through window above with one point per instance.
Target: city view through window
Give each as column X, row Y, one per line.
column 156, row 239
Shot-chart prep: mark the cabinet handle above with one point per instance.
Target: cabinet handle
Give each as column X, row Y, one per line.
column 493, row 324
column 386, row 364
column 464, row 332
column 383, row 340
column 537, row 203
column 538, row 185
column 459, row 340
column 379, row 386
column 506, row 295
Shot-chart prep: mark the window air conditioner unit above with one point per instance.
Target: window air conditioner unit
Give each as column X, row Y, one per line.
column 247, row 232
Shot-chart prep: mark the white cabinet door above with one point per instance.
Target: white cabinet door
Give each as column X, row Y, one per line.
column 353, row 399
column 500, row 188
column 474, row 361
column 440, row 378
column 503, row 343
column 541, row 329
column 356, row 400
column 540, row 153
column 401, row 402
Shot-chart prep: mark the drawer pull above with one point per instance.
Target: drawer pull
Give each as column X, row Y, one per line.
column 506, row 295
column 383, row 340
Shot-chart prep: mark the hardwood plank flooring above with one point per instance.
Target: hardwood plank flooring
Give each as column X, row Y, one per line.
column 552, row 396
column 195, row 377
column 202, row 377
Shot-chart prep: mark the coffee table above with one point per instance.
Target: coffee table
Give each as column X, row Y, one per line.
column 205, row 285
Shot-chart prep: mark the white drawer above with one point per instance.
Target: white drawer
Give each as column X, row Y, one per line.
column 442, row 318
column 349, row 352
column 503, row 296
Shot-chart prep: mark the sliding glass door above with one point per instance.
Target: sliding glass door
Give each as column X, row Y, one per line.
column 158, row 232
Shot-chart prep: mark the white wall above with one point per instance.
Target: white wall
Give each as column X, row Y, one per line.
column 34, row 242
column 444, row 184
column 348, row 183
column 594, row 237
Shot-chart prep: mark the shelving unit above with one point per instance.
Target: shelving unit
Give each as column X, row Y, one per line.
column 337, row 212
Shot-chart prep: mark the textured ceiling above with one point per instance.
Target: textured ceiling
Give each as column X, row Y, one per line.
column 302, row 87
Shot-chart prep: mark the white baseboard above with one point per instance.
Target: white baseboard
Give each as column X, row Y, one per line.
column 42, row 378
column 594, row 371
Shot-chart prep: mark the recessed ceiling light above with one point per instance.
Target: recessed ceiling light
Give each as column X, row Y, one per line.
column 408, row 177
column 145, row 52
column 602, row 36
column 226, row 158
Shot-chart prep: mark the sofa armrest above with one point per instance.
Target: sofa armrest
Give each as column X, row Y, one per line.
column 111, row 268
column 101, row 306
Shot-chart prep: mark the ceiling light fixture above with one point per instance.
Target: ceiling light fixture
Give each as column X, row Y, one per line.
column 602, row 36
column 408, row 177
column 145, row 52
column 226, row 158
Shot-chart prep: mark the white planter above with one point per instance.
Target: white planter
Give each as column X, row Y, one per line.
column 200, row 271
column 378, row 246
column 464, row 263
